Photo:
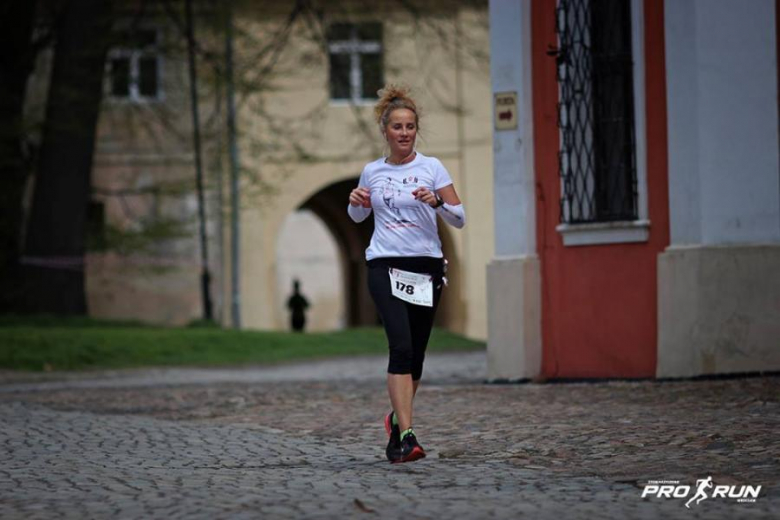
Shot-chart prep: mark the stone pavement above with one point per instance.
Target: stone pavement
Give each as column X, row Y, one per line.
column 306, row 441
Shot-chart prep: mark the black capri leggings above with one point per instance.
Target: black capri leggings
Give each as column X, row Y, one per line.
column 407, row 326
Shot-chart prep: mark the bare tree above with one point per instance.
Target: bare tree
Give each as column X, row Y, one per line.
column 55, row 239
column 56, row 233
column 17, row 57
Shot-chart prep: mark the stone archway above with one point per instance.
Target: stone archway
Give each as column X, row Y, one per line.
column 330, row 205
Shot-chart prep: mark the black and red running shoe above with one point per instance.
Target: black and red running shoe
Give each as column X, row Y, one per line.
column 410, row 449
column 390, row 428
column 393, row 450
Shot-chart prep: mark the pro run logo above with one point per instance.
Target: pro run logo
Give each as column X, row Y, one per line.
column 704, row 489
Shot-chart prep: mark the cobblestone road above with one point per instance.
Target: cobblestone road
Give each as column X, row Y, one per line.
column 306, row 441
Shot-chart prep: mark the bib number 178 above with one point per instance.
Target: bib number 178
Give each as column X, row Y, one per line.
column 415, row 288
column 408, row 289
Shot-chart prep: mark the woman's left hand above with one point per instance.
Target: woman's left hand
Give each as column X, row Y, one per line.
column 425, row 195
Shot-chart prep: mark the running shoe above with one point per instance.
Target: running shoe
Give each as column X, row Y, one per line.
column 393, row 450
column 390, row 428
column 410, row 449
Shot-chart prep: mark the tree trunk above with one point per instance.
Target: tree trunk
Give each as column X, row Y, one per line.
column 16, row 62
column 55, row 241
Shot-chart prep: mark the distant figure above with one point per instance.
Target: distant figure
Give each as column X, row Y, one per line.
column 297, row 305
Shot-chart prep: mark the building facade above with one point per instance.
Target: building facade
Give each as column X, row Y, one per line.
column 637, row 190
column 306, row 80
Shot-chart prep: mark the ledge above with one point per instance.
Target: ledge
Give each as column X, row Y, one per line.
column 627, row 231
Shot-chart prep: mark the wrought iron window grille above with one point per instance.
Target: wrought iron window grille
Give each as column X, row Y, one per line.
column 597, row 160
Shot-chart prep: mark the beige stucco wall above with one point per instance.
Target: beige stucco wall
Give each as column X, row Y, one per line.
column 144, row 174
column 441, row 79
column 293, row 143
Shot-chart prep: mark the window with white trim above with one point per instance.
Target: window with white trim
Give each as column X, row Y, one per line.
column 603, row 149
column 356, row 61
column 134, row 68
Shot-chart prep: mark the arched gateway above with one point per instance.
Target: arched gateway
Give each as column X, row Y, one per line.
column 329, row 204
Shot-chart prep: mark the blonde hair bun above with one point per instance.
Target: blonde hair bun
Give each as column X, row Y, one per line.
column 392, row 97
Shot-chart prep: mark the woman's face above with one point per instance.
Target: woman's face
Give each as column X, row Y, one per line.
column 401, row 132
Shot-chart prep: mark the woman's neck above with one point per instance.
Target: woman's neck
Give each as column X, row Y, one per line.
column 403, row 160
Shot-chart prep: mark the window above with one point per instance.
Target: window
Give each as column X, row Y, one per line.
column 597, row 160
column 355, row 52
column 134, row 66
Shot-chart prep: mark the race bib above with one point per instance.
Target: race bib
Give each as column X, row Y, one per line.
column 414, row 288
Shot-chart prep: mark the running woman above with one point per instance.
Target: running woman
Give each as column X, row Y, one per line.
column 406, row 191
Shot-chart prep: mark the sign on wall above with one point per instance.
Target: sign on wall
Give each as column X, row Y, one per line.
column 505, row 110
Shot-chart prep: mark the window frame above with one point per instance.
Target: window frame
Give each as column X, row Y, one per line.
column 624, row 231
column 134, row 55
column 355, row 48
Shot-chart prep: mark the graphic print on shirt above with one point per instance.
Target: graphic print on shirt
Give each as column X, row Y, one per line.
column 403, row 225
column 391, row 196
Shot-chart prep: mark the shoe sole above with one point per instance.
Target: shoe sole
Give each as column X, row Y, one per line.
column 416, row 454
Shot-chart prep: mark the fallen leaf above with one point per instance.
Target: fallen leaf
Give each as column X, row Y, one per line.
column 360, row 505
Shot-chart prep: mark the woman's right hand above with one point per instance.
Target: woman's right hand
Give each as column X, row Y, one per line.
column 360, row 197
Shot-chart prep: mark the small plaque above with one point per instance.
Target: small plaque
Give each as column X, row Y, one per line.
column 505, row 110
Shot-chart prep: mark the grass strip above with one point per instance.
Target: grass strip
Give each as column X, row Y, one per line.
column 38, row 344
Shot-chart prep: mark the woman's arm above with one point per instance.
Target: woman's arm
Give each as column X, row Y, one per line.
column 359, row 204
column 446, row 203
